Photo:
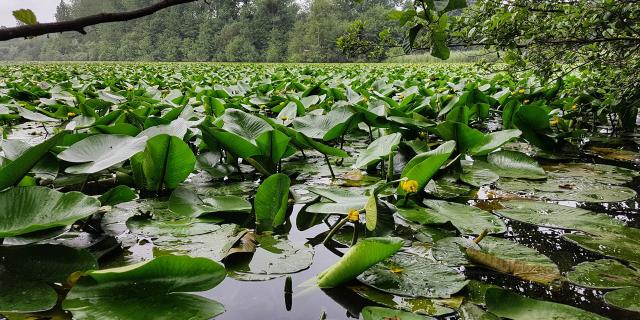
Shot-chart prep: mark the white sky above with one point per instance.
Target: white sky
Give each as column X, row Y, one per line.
column 44, row 10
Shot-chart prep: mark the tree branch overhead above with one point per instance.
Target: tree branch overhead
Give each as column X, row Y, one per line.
column 79, row 24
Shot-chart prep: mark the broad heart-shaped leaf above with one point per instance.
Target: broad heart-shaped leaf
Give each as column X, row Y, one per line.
column 603, row 234
column 275, row 256
column 423, row 306
column 603, row 274
column 23, row 295
column 271, row 201
column 359, row 258
column 168, row 161
column 273, row 144
column 557, row 188
column 149, row 290
column 244, row 124
column 514, row 164
column 423, row 166
column 475, row 175
column 100, row 152
column 533, row 121
column 626, row 298
column 514, row 306
column 512, row 258
column 377, row 313
column 467, row 219
column 116, row 195
column 234, row 143
column 28, row 209
column 338, row 195
column 13, row 172
column 186, row 202
column 413, row 276
column 493, row 141
column 378, row 149
column 45, row 262
column 177, row 128
column 27, row 271
column 591, row 172
column 464, row 136
column 326, row 127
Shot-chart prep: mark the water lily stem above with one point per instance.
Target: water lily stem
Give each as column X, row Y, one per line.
column 335, row 229
column 481, row 236
column 326, row 158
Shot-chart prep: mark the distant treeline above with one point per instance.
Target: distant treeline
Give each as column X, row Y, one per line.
column 220, row 30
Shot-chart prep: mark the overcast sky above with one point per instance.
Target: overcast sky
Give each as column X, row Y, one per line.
column 44, row 10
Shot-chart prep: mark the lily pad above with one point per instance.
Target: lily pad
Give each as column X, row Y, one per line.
column 274, row 257
column 377, row 313
column 451, row 251
column 603, row 274
column 514, row 306
column 592, row 172
column 29, row 209
column 514, row 164
column 151, row 289
column 512, row 258
column 378, row 150
column 426, row 306
column 186, row 202
column 467, row 219
column 568, row 189
column 413, row 276
column 101, row 151
column 626, row 298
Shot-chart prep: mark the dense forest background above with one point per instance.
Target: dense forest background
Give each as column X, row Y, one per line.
column 220, row 30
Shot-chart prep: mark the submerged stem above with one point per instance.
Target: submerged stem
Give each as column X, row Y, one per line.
column 326, row 159
column 335, row 229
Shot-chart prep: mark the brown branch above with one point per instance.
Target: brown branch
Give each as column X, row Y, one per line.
column 79, row 24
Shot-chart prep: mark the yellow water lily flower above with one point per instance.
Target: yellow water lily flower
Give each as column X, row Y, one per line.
column 525, row 101
column 554, row 122
column 71, row 114
column 353, row 215
column 409, row 186
column 284, row 118
column 521, row 91
column 574, row 107
column 262, row 107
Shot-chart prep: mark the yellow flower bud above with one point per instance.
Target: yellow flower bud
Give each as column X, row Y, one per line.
column 400, row 96
column 521, row 91
column 525, row 101
column 554, row 122
column 262, row 107
column 574, row 107
column 71, row 114
column 284, row 118
column 409, row 186
column 353, row 215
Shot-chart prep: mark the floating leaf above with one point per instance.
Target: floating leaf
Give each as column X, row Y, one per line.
column 511, row 258
column 413, row 276
column 467, row 219
column 377, row 313
column 116, row 195
column 514, row 306
column 186, row 202
column 29, row 209
column 432, row 307
column 514, row 164
column 151, row 289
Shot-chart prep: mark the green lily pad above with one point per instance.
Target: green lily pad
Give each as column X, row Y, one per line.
column 377, row 313
column 445, row 188
column 603, row 274
column 340, row 194
column 514, row 306
column 151, row 289
column 477, row 176
column 413, row 276
column 29, row 209
column 378, row 150
column 568, row 189
column 512, row 258
column 101, row 151
column 624, row 245
column 514, row 164
column 186, row 202
column 26, row 273
column 426, row 306
column 451, row 251
column 467, row 219
column 592, row 172
column 625, row 298
column 274, row 257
